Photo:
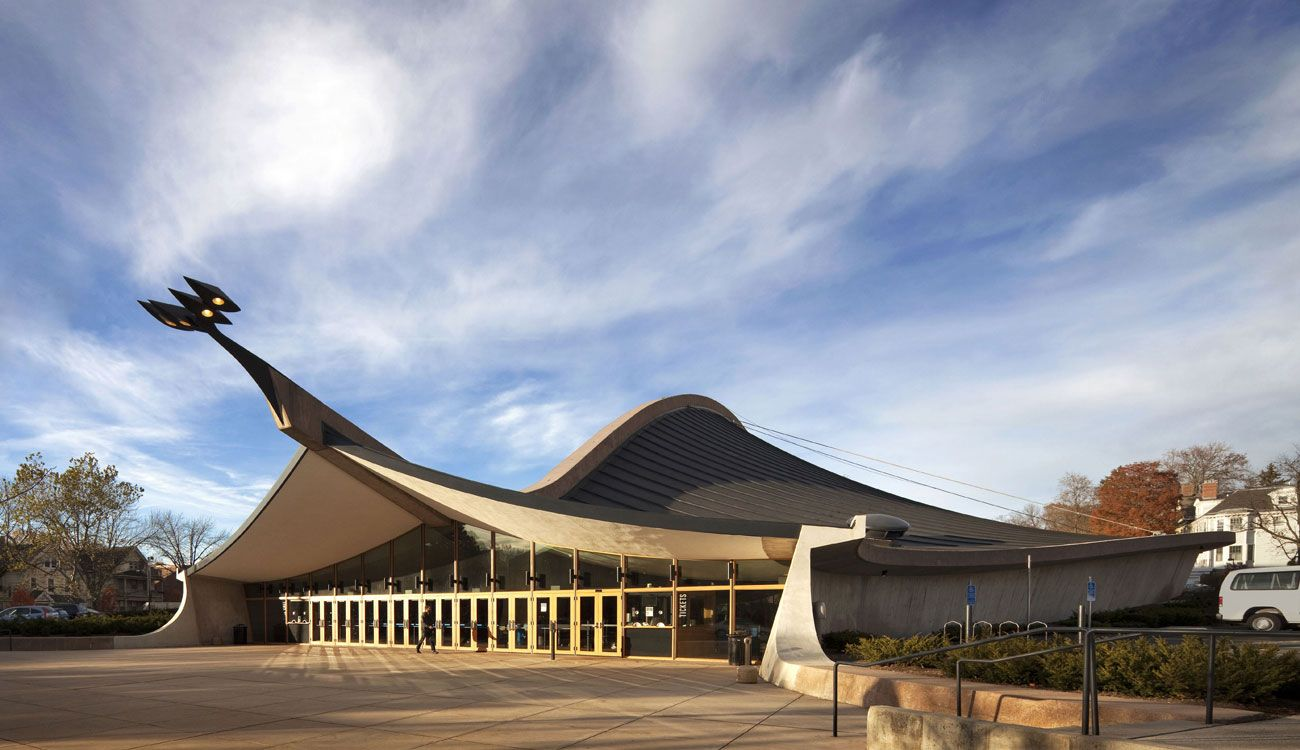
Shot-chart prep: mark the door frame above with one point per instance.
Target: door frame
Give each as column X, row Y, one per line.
column 598, row 598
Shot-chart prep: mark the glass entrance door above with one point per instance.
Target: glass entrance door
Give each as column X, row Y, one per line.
column 511, row 622
column 598, row 624
column 553, row 620
column 482, row 625
column 351, row 632
column 464, row 623
column 444, row 608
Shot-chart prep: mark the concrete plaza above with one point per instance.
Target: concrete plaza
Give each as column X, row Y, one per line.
column 326, row 697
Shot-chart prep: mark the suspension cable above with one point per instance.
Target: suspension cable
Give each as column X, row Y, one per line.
column 799, row 442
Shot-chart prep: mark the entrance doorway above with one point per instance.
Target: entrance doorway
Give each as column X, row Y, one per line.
column 553, row 619
column 511, row 622
column 473, row 628
column 599, row 623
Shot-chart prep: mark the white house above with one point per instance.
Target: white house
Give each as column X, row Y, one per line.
column 1249, row 514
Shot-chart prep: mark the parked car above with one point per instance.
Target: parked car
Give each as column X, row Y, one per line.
column 75, row 610
column 32, row 612
column 1263, row 598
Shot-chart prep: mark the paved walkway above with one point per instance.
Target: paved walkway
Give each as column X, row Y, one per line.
column 326, row 697
column 1271, row 734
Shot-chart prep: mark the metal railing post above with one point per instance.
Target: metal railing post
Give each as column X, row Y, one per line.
column 1209, row 684
column 835, row 700
column 1084, row 692
column 959, row 687
column 1092, row 683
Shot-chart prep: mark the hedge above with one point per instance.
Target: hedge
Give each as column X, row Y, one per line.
column 1246, row 673
column 126, row 624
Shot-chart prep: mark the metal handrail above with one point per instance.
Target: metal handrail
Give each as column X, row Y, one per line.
column 1013, row 657
column 835, row 670
column 1090, row 703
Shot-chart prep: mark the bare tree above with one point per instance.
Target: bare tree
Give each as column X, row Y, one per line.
column 1075, row 504
column 1200, row 463
column 1282, row 523
column 182, row 540
column 1031, row 515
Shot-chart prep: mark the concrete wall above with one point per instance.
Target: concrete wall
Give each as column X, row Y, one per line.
column 890, row 728
column 209, row 610
column 905, row 605
column 55, row 643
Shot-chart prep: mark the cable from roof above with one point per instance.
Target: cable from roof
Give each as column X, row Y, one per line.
column 799, row 442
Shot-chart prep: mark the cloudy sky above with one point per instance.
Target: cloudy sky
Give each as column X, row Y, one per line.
column 994, row 241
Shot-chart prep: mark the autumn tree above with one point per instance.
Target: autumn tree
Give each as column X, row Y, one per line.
column 1197, row 464
column 28, row 483
column 1137, row 498
column 182, row 540
column 20, row 596
column 87, row 517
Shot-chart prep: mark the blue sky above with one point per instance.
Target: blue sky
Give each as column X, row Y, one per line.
column 996, row 241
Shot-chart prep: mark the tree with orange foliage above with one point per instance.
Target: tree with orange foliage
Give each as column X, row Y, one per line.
column 20, row 596
column 1140, row 495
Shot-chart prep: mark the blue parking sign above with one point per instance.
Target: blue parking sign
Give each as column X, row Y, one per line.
column 1092, row 589
column 970, row 594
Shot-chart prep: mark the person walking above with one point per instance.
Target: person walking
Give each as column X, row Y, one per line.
column 428, row 629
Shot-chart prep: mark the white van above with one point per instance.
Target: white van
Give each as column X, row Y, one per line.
column 1263, row 598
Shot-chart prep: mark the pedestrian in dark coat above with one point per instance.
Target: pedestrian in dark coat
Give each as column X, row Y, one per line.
column 428, row 629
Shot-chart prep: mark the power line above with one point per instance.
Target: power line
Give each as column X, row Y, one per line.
column 791, row 439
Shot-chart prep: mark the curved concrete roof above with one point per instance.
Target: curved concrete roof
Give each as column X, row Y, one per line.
column 689, row 456
column 566, row 475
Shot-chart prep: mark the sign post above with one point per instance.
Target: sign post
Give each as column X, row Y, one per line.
column 1029, row 590
column 970, row 606
column 1092, row 597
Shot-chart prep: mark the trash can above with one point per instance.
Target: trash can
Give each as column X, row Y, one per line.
column 240, row 637
column 736, row 649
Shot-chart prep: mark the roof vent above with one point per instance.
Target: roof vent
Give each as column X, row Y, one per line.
column 881, row 526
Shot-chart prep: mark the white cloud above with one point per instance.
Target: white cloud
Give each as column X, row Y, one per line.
column 581, row 212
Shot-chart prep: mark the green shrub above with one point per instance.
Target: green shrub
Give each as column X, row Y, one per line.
column 1246, row 673
column 878, row 648
column 835, row 643
column 1188, row 609
column 123, row 624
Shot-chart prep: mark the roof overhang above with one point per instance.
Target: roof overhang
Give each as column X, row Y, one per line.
column 570, row 524
column 871, row 557
column 315, row 515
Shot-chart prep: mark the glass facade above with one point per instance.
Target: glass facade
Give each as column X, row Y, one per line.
column 703, row 572
column 597, row 571
column 406, row 562
column 350, row 576
column 376, row 570
column 439, row 558
column 495, row 592
column 649, row 572
column 750, row 572
column 703, row 622
column 554, row 568
column 474, row 558
column 513, row 562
